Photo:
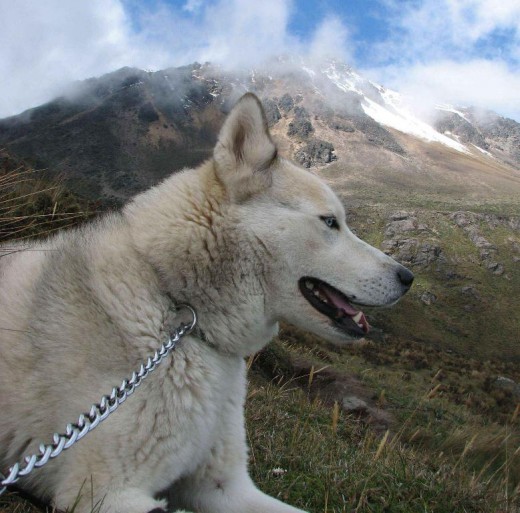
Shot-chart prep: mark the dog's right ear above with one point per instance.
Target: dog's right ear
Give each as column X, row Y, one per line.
column 245, row 151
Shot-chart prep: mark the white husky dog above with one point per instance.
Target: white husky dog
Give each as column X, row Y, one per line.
column 248, row 239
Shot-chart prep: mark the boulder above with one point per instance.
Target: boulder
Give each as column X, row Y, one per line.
column 401, row 226
column 509, row 385
column 480, row 241
column 471, row 291
column 428, row 298
column 462, row 219
column 495, row 268
column 315, row 152
column 286, row 102
column 272, row 112
column 351, row 403
column 400, row 215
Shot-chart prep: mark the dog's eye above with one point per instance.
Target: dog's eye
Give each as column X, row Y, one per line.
column 330, row 221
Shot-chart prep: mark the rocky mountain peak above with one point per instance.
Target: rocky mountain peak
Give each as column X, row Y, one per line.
column 117, row 134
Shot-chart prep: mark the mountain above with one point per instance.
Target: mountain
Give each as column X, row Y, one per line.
column 484, row 130
column 116, row 135
column 441, row 194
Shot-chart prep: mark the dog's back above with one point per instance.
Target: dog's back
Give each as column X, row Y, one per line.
column 51, row 303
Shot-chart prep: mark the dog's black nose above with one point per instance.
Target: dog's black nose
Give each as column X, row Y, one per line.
column 405, row 276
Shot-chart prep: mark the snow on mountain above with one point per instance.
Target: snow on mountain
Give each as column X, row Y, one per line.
column 396, row 115
column 450, row 108
column 344, row 78
column 390, row 109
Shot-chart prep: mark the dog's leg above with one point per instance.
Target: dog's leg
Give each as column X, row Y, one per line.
column 223, row 484
column 235, row 494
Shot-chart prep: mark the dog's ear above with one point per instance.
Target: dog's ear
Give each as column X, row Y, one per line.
column 245, row 152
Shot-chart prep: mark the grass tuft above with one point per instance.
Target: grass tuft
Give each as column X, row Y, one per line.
column 32, row 206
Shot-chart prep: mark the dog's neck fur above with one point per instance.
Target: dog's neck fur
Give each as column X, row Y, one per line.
column 198, row 222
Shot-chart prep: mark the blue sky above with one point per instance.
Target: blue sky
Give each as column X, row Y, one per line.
column 464, row 52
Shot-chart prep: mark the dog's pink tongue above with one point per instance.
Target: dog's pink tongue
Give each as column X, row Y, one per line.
column 342, row 304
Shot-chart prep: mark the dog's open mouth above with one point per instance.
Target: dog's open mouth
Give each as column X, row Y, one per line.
column 335, row 305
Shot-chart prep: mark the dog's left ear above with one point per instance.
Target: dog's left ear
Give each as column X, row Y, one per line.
column 245, row 151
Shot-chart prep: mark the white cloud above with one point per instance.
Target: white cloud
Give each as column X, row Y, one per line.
column 480, row 83
column 46, row 45
column 475, row 19
column 332, row 39
column 245, row 32
column 451, row 51
column 430, row 28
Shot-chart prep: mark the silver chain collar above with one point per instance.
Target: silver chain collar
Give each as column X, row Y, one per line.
column 99, row 411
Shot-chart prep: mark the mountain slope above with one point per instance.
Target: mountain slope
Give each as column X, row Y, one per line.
column 115, row 135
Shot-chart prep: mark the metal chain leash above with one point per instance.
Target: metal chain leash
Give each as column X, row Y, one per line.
column 98, row 412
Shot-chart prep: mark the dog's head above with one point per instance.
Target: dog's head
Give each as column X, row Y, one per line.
column 316, row 273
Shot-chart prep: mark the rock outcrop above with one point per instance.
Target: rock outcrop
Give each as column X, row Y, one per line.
column 315, row 152
column 301, row 125
column 488, row 252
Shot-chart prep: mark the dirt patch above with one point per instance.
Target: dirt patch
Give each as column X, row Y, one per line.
column 324, row 383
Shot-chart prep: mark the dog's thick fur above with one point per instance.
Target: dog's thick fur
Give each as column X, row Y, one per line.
column 80, row 311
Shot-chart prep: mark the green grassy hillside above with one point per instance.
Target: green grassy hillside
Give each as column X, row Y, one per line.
column 467, row 268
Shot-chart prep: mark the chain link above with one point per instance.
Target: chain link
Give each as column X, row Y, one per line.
column 98, row 412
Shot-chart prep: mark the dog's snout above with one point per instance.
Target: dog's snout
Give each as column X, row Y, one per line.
column 405, row 276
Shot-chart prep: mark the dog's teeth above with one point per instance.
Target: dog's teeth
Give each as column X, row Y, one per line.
column 357, row 318
column 319, row 295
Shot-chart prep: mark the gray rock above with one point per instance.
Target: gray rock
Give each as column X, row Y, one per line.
column 514, row 223
column 400, row 215
column 389, row 246
column 351, row 403
column 301, row 125
column 428, row 298
column 480, row 241
column 471, row 291
column 468, row 221
column 271, row 111
column 401, row 226
column 412, row 252
column 428, row 253
column 315, row 152
column 508, row 384
column 286, row 103
column 495, row 268
column 515, row 246
column 461, row 219
column 403, row 250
